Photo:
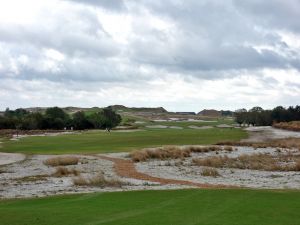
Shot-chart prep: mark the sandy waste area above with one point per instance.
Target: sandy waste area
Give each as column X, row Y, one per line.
column 29, row 176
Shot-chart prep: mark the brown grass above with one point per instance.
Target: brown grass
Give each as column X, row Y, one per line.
column 35, row 178
column 210, row 172
column 62, row 161
column 63, row 171
column 254, row 162
column 167, row 152
column 293, row 125
column 228, row 148
column 170, row 152
column 201, row 149
column 288, row 143
column 97, row 181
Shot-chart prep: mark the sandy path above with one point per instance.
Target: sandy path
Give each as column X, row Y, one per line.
column 126, row 168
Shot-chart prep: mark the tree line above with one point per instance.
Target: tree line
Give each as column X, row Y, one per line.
column 257, row 116
column 56, row 118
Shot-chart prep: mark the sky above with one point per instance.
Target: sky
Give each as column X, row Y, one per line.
column 184, row 55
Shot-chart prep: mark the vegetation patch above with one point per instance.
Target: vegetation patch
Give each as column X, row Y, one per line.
column 64, row 171
column 254, row 162
column 168, row 152
column 210, row 172
column 62, row 161
column 97, row 181
column 32, row 178
column 292, row 125
column 288, row 143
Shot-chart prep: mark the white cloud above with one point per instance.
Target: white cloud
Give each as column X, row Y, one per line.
column 184, row 55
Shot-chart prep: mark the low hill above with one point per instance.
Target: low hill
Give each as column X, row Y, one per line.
column 210, row 113
column 139, row 109
column 215, row 113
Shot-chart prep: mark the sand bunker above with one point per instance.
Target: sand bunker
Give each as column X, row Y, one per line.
column 200, row 128
column 157, row 126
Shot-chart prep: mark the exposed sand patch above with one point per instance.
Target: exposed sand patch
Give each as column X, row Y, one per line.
column 261, row 134
column 8, row 158
column 186, row 170
column 224, row 126
column 175, row 127
column 200, row 128
column 157, row 126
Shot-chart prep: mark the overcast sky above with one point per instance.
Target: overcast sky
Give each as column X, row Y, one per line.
column 184, row 55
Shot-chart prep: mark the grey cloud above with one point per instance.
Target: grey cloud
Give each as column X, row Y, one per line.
column 116, row 5
column 209, row 35
column 87, row 38
column 276, row 13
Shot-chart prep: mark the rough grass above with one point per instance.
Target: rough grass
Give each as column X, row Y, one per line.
column 279, row 143
column 64, row 171
column 170, row 152
column 211, row 172
column 98, row 141
column 293, row 125
column 264, row 162
column 97, row 181
column 167, row 152
column 175, row 207
column 62, row 161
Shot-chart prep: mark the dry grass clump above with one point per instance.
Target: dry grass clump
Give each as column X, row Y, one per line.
column 279, row 143
column 204, row 148
column 168, row 152
column 210, row 172
column 97, row 181
column 173, row 152
column 62, row 161
column 297, row 165
column 253, row 162
column 228, row 148
column 63, row 171
column 293, row 125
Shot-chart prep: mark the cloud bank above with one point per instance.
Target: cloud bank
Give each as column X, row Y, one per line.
column 183, row 55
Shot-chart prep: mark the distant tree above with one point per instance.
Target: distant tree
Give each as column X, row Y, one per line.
column 56, row 112
column 105, row 119
column 80, row 121
column 55, row 118
column 240, row 116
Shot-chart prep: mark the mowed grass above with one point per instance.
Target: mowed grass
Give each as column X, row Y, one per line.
column 176, row 207
column 99, row 141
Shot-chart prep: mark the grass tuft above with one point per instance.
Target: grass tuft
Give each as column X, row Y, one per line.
column 62, row 161
column 211, row 172
column 264, row 162
column 63, row 171
column 97, row 181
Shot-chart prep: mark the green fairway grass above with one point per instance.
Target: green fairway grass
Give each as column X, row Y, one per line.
column 178, row 207
column 99, row 141
column 186, row 124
